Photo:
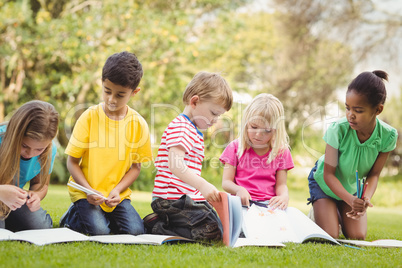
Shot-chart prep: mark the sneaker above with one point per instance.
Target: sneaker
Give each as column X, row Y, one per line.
column 311, row 214
column 62, row 222
column 149, row 221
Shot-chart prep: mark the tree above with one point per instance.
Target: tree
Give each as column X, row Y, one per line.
column 372, row 30
column 55, row 50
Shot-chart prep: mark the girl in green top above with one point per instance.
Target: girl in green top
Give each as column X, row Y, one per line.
column 360, row 142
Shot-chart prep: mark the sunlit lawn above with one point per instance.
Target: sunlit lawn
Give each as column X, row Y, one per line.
column 383, row 223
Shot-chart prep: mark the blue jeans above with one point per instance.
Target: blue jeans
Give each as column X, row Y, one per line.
column 24, row 219
column 89, row 219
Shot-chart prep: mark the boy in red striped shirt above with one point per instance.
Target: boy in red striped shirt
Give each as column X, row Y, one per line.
column 180, row 193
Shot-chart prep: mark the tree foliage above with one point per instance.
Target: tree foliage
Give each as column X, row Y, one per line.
column 55, row 50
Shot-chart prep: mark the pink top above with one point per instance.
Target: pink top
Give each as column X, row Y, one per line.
column 253, row 172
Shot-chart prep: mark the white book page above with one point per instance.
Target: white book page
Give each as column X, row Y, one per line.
column 7, row 235
column 305, row 228
column 244, row 242
column 268, row 225
column 386, row 243
column 49, row 236
column 121, row 239
column 160, row 239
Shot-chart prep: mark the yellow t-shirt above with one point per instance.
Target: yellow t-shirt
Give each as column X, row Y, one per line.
column 107, row 149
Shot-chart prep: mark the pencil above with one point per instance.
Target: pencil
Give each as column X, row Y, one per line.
column 357, row 184
column 364, row 189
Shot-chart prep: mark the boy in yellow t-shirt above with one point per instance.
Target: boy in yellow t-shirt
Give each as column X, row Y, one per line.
column 108, row 144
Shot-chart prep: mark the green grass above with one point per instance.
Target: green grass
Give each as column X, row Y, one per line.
column 383, row 223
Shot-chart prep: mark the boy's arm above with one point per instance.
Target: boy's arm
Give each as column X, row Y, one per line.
column 178, row 167
column 281, row 199
column 79, row 177
column 231, row 187
column 126, row 181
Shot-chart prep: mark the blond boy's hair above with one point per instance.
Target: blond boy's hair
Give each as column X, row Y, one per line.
column 267, row 109
column 209, row 87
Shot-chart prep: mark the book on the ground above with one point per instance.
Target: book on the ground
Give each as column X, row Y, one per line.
column 150, row 239
column 229, row 210
column 247, row 242
column 42, row 237
column 270, row 227
column 383, row 243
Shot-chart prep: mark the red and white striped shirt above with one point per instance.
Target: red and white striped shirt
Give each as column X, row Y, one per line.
column 180, row 132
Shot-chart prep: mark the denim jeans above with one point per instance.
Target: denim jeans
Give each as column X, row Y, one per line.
column 89, row 219
column 186, row 218
column 24, row 219
column 314, row 189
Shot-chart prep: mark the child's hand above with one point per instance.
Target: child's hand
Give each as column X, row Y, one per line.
column 113, row 198
column 367, row 203
column 359, row 207
column 210, row 193
column 357, row 204
column 279, row 201
column 95, row 200
column 12, row 196
column 244, row 196
column 33, row 201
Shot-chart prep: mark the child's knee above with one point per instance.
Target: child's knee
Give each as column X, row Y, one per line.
column 137, row 229
column 356, row 235
column 99, row 229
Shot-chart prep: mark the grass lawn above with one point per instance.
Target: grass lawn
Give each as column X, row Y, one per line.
column 382, row 223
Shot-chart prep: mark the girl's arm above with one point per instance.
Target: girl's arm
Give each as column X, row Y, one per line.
column 178, row 167
column 374, row 175
column 330, row 163
column 281, row 199
column 372, row 180
column 35, row 195
column 79, row 177
column 231, row 187
column 126, row 181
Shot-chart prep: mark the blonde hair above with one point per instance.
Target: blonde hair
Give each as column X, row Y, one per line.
column 37, row 120
column 268, row 109
column 209, row 87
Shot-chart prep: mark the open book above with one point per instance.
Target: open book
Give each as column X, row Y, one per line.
column 229, row 210
column 266, row 227
column 383, row 243
column 42, row 237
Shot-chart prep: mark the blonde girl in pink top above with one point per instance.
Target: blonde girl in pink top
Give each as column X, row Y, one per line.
column 256, row 163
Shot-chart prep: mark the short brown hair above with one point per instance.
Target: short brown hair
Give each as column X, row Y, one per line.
column 209, row 87
column 123, row 69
